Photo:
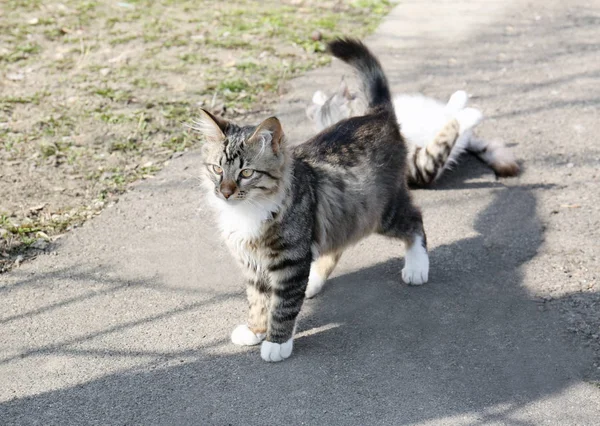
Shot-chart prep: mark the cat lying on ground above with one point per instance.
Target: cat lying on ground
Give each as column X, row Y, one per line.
column 436, row 134
column 287, row 213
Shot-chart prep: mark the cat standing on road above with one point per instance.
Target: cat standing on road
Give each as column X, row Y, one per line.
column 287, row 213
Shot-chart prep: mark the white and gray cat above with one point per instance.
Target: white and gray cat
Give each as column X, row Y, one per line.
column 436, row 133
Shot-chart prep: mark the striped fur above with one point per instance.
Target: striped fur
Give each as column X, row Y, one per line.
column 425, row 164
column 289, row 220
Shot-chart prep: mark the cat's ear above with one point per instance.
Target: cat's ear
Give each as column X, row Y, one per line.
column 212, row 127
column 344, row 91
column 269, row 131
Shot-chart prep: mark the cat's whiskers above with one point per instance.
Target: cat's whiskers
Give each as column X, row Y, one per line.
column 190, row 176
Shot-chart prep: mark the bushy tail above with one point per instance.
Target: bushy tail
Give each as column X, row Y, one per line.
column 358, row 56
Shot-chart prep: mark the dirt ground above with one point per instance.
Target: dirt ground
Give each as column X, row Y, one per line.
column 95, row 95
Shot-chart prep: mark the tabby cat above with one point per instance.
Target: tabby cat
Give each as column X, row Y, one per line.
column 436, row 134
column 287, row 214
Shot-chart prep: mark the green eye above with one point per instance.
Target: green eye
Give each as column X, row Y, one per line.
column 217, row 170
column 246, row 173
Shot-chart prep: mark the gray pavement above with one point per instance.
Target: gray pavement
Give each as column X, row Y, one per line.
column 128, row 320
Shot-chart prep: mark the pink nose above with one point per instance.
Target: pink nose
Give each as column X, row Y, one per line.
column 227, row 190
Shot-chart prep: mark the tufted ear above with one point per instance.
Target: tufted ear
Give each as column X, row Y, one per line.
column 269, row 131
column 344, row 91
column 212, row 127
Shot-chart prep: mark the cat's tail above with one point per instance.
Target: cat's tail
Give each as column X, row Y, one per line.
column 358, row 56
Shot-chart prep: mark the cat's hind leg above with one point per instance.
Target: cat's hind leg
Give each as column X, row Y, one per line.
column 427, row 163
column 320, row 270
column 404, row 221
column 495, row 154
column 416, row 261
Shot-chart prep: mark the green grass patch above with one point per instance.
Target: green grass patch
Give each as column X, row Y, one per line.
column 108, row 86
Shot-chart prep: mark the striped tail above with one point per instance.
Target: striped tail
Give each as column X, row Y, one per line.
column 374, row 82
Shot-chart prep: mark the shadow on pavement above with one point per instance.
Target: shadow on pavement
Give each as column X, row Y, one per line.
column 371, row 350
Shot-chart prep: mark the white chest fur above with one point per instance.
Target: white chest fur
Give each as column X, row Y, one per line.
column 242, row 223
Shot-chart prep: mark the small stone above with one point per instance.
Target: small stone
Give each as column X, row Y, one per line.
column 316, row 35
column 547, row 298
column 37, row 208
column 40, row 244
column 570, row 165
column 105, row 71
column 17, row 76
column 33, row 21
column 42, row 235
column 18, row 260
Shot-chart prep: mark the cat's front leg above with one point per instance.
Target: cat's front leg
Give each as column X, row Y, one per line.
column 425, row 164
column 255, row 330
column 289, row 279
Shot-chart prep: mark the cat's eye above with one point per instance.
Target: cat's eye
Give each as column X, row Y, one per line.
column 217, row 169
column 246, row 173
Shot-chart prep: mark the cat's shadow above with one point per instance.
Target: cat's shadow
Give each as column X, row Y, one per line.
column 473, row 336
column 369, row 349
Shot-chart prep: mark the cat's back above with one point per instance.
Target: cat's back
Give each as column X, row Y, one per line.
column 353, row 140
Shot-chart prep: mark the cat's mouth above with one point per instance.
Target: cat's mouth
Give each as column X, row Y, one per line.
column 233, row 199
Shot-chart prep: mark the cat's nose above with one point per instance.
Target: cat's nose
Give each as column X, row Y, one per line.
column 227, row 189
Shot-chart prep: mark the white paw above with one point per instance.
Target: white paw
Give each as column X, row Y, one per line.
column 243, row 336
column 457, row 101
column 315, row 284
column 468, row 118
column 415, row 276
column 416, row 264
column 275, row 352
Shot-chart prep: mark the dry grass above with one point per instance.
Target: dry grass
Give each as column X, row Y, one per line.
column 94, row 94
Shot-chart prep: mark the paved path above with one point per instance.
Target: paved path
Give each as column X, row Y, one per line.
column 128, row 323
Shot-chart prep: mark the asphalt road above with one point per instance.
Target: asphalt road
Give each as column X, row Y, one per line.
column 127, row 321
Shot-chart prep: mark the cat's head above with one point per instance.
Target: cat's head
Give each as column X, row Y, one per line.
column 242, row 164
column 325, row 111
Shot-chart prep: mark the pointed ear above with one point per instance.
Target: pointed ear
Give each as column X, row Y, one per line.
column 212, row 127
column 269, row 131
column 344, row 91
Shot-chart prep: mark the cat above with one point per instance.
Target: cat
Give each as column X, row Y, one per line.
column 436, row 134
column 287, row 213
